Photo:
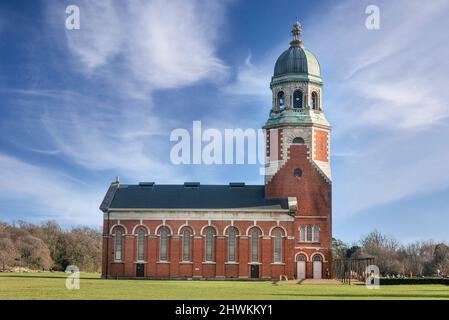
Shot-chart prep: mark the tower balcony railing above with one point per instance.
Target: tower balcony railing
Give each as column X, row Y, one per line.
column 298, row 110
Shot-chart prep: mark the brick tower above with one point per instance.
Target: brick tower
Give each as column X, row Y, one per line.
column 298, row 155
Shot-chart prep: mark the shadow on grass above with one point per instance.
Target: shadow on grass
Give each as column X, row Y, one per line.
column 43, row 276
column 355, row 296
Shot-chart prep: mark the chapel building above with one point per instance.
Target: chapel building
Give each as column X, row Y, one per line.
column 238, row 231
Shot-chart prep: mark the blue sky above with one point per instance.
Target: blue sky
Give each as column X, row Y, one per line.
column 79, row 107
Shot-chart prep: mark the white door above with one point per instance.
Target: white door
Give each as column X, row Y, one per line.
column 301, row 269
column 317, row 269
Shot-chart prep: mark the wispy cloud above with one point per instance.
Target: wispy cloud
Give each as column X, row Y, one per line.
column 251, row 80
column 388, row 103
column 95, row 134
column 385, row 95
column 49, row 194
column 153, row 44
column 107, row 124
column 387, row 77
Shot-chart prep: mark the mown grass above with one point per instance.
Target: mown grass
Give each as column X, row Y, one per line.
column 92, row 287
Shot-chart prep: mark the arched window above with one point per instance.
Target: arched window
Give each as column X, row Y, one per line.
column 297, row 99
column 302, row 234
column 309, row 233
column 232, row 245
column 140, row 245
column 278, row 246
column 298, row 140
column 255, row 245
column 186, row 245
column 118, row 245
column 163, row 245
column 316, row 233
column 298, row 172
column 315, row 105
column 210, row 233
column 300, row 258
column 281, row 99
column 317, row 257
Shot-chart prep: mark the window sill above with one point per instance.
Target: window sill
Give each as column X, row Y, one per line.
column 231, row 262
column 185, row 262
column 139, row 262
column 309, row 242
column 209, row 262
column 255, row 263
column 163, row 262
column 277, row 264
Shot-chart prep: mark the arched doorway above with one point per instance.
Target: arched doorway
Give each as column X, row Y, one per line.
column 317, row 267
column 300, row 267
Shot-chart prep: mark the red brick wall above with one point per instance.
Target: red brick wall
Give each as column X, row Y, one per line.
column 221, row 268
column 314, row 202
column 314, row 207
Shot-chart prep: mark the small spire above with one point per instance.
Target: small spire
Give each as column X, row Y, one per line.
column 296, row 35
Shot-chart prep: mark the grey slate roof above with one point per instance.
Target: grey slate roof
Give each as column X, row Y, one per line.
column 213, row 197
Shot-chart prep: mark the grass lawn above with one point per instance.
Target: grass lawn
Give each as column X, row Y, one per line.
column 52, row 286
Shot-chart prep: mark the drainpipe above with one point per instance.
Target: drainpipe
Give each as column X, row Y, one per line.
column 107, row 248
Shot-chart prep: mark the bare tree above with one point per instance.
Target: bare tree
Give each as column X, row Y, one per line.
column 8, row 253
column 33, row 252
column 385, row 249
column 83, row 248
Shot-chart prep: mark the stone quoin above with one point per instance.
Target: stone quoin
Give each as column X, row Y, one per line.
column 238, row 231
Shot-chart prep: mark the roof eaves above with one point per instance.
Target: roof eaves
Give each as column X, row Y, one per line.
column 256, row 209
column 106, row 203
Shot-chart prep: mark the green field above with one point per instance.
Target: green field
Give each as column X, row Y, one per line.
column 52, row 286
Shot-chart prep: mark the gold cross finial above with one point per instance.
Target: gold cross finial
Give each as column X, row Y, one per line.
column 296, row 34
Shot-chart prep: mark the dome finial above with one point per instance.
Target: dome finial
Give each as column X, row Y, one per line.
column 296, row 34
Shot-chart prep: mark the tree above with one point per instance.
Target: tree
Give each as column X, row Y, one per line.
column 441, row 258
column 33, row 252
column 339, row 249
column 8, row 253
column 384, row 249
column 83, row 248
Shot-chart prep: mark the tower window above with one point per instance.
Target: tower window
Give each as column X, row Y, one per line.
column 298, row 172
column 315, row 105
column 316, row 233
column 281, row 99
column 298, row 140
column 297, row 99
column 302, row 235
column 309, row 233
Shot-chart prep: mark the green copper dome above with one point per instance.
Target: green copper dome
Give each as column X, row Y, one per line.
column 297, row 60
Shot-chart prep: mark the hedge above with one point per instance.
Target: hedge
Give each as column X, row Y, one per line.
column 396, row 281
